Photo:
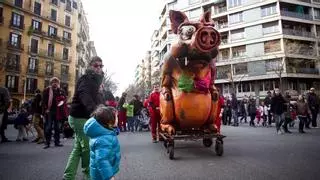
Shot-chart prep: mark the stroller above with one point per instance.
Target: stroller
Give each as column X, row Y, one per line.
column 144, row 120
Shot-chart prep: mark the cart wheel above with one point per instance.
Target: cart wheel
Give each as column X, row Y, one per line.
column 207, row 142
column 171, row 152
column 219, row 148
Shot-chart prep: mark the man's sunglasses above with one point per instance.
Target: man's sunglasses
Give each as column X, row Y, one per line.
column 98, row 65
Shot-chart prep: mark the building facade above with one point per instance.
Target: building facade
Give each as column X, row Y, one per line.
column 265, row 43
column 143, row 74
column 37, row 42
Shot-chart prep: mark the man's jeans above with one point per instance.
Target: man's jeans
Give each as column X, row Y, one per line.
column 131, row 123
column 235, row 117
column 279, row 119
column 80, row 150
column 314, row 114
column 50, row 120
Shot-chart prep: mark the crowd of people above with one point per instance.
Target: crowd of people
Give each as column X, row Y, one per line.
column 95, row 117
column 283, row 110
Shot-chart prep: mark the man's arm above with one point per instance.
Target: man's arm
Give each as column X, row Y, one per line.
column 86, row 95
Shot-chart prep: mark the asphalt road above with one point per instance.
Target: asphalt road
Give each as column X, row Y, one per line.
column 250, row 153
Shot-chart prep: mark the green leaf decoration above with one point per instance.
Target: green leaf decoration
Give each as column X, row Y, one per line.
column 185, row 83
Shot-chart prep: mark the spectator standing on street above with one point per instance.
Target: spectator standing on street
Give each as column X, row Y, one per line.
column 20, row 124
column 129, row 115
column 50, row 107
column 267, row 102
column 277, row 109
column 234, row 107
column 36, row 109
column 243, row 110
column 122, row 113
column 86, row 98
column 313, row 102
column 138, row 105
column 302, row 112
column 252, row 109
column 154, row 103
column 104, row 146
column 4, row 105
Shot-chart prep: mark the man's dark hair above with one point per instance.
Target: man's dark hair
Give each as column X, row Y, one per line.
column 95, row 59
column 105, row 115
column 38, row 91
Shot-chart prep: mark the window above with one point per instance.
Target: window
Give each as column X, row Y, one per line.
column 235, row 18
column 17, row 20
column 65, row 54
column 50, row 50
column 223, row 72
column 68, row 6
column 75, row 5
column 52, row 31
column 18, row 3
column 271, row 27
column 67, row 21
column 31, row 85
column 34, row 46
column 238, row 51
column 241, row 68
column 272, row 46
column 1, row 15
column 37, row 8
column 15, row 40
column 12, row 83
column 195, row 13
column 53, row 15
column 33, row 65
column 36, row 25
column 237, row 34
column 64, row 70
column 268, row 10
column 234, row 3
column 317, row 13
column 13, row 62
column 318, row 30
column 55, row 2
column 66, row 35
column 246, row 87
column 273, row 65
column 49, row 69
column 63, row 1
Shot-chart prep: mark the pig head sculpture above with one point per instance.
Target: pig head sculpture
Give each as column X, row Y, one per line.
column 188, row 97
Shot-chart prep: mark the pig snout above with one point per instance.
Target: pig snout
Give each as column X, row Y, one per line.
column 206, row 38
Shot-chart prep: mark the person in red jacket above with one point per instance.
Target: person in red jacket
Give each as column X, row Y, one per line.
column 154, row 103
column 220, row 112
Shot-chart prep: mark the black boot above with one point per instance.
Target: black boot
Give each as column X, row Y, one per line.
column 301, row 124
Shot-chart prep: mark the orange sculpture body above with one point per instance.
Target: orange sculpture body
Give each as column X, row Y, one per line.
column 189, row 98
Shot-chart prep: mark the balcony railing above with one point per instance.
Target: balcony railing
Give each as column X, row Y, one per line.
column 66, row 58
column 303, row 70
column 306, row 1
column 47, row 54
column 21, row 26
column 297, row 33
column 15, row 46
column 306, row 51
column 224, row 41
column 32, row 50
column 15, row 68
column 33, row 71
column 222, row 25
column 296, row 15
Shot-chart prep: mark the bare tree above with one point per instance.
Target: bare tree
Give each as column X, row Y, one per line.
column 108, row 83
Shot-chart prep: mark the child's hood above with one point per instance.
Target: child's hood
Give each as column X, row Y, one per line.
column 94, row 129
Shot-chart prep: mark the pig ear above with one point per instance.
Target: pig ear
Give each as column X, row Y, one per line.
column 177, row 18
column 206, row 18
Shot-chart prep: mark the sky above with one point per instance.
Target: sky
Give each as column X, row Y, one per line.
column 121, row 31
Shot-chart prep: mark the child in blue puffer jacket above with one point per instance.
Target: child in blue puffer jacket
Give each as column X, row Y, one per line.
column 104, row 145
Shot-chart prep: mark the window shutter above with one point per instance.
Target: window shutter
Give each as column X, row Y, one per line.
column 16, row 82
column 21, row 21
column 40, row 26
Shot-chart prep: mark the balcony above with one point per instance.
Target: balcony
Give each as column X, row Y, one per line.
column 296, row 15
column 221, row 25
column 298, row 33
column 306, row 1
column 13, row 67
column 66, row 40
column 33, row 71
column 32, row 50
column 15, row 46
column 219, row 10
column 302, row 70
column 52, row 55
column 14, row 26
column 69, row 8
column 66, row 58
column 316, row 1
column 80, row 46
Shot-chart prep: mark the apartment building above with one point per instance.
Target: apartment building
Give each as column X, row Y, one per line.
column 143, row 74
column 265, row 43
column 37, row 41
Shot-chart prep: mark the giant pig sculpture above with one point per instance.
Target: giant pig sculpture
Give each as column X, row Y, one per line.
column 188, row 96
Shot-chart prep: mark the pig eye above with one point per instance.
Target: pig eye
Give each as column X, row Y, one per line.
column 186, row 32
